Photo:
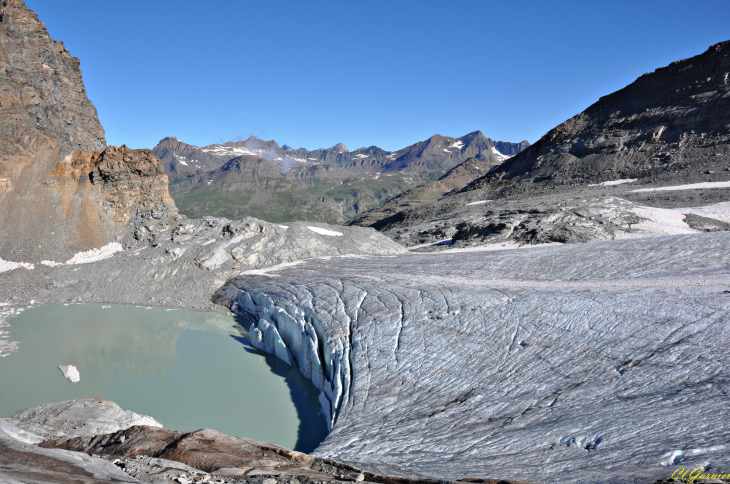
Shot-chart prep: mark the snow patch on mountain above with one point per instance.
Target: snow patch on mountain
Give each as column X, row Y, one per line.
column 691, row 186
column 94, row 255
column 9, row 266
column 321, row 231
column 500, row 156
column 613, row 182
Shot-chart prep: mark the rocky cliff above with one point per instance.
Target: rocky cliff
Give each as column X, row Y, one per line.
column 106, row 195
column 60, row 192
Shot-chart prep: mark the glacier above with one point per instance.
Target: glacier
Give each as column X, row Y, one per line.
column 601, row 362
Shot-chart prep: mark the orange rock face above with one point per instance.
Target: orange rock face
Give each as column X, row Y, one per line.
column 61, row 190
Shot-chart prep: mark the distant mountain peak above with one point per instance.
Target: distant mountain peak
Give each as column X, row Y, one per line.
column 339, row 148
column 474, row 134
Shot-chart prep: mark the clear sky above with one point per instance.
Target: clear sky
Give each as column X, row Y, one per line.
column 388, row 73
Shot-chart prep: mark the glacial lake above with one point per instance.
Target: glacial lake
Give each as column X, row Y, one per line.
column 186, row 369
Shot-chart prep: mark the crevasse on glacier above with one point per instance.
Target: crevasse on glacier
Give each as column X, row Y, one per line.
column 297, row 337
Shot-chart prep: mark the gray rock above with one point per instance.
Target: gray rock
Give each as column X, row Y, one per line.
column 76, row 418
column 21, row 462
column 182, row 264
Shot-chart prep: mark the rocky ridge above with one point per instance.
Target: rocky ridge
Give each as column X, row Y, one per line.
column 454, row 179
column 670, row 125
column 436, row 154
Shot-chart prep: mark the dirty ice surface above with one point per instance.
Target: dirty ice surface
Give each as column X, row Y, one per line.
column 581, row 363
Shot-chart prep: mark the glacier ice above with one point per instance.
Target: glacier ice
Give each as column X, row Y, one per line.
column 594, row 363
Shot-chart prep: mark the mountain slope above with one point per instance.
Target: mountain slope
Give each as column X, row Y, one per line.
column 430, row 158
column 252, row 186
column 671, row 125
column 182, row 160
column 440, row 153
column 456, row 178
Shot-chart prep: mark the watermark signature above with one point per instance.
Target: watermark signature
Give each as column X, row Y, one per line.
column 692, row 475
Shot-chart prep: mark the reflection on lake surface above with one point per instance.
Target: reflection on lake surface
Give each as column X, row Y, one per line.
column 186, row 369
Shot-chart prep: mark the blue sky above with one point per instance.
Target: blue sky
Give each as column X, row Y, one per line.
column 386, row 73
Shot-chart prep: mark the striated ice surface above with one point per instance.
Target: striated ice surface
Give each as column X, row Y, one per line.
column 587, row 363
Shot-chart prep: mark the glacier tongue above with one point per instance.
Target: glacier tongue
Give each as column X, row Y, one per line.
column 587, row 363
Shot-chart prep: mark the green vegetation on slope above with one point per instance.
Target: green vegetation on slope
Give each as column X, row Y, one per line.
column 283, row 200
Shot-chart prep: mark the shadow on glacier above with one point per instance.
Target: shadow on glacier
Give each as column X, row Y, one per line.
column 305, row 396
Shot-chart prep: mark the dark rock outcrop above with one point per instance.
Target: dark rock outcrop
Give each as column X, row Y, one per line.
column 110, row 193
column 22, row 462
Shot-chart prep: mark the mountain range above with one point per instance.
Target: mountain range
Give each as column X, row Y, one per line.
column 262, row 179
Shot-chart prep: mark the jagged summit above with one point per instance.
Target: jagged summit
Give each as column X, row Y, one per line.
column 438, row 154
column 42, row 93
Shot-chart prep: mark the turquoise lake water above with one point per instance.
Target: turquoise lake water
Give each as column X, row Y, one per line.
column 188, row 370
